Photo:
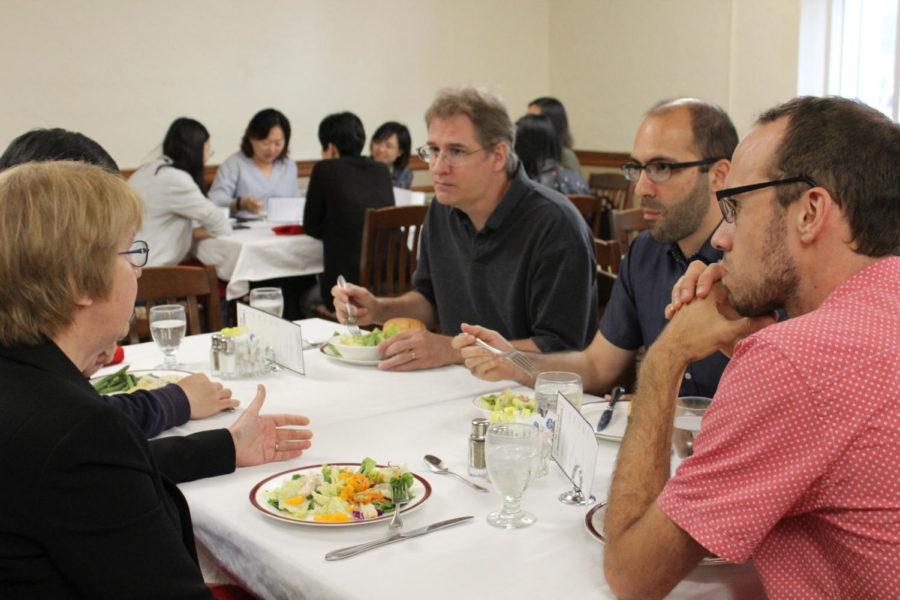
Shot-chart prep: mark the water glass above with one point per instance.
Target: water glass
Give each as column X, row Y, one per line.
column 689, row 411
column 268, row 299
column 545, row 388
column 512, row 452
column 168, row 324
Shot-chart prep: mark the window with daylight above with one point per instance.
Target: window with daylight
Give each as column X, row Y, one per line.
column 862, row 61
column 850, row 48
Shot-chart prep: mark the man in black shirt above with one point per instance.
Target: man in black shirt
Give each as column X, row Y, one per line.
column 680, row 158
column 341, row 189
column 496, row 247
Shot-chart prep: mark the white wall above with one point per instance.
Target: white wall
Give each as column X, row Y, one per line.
column 611, row 60
column 121, row 70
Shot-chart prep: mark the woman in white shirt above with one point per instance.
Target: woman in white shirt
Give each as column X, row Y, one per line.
column 261, row 170
column 173, row 200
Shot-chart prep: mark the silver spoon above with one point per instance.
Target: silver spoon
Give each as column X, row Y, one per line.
column 438, row 466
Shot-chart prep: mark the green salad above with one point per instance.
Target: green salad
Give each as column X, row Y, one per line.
column 369, row 339
column 507, row 405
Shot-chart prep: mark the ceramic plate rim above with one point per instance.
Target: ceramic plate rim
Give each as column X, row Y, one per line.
column 351, row 361
column 477, row 404
column 139, row 373
column 709, row 561
column 264, row 507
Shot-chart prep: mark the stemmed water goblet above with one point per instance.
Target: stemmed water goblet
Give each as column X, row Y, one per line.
column 167, row 327
column 512, row 453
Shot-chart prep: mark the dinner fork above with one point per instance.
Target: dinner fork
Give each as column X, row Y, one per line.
column 400, row 499
column 351, row 318
column 515, row 356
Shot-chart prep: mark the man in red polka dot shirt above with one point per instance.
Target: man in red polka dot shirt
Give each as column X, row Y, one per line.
column 797, row 466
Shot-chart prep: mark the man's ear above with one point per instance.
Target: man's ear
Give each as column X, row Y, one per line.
column 83, row 301
column 812, row 212
column 499, row 154
column 717, row 174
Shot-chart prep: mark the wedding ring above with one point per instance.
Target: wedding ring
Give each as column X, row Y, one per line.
column 412, row 354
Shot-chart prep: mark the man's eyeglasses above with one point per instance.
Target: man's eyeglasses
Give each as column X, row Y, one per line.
column 660, row 171
column 728, row 202
column 137, row 254
column 453, row 156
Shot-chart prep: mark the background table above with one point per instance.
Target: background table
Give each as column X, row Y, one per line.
column 257, row 254
column 399, row 417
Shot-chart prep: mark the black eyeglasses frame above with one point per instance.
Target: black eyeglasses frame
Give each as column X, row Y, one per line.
column 728, row 202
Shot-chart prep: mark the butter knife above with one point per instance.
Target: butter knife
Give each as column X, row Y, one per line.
column 606, row 417
column 397, row 537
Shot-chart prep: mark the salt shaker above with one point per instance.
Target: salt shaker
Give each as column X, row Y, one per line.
column 477, row 464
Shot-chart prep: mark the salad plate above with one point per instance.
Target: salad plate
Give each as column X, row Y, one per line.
column 615, row 431
column 329, row 352
column 593, row 521
column 264, row 494
column 507, row 401
column 142, row 379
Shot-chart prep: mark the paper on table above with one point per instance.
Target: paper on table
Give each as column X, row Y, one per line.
column 285, row 210
column 283, row 337
column 408, row 197
column 574, row 444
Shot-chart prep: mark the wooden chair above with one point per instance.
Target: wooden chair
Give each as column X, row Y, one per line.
column 390, row 249
column 605, row 283
column 194, row 287
column 592, row 209
column 609, row 255
column 613, row 186
column 627, row 223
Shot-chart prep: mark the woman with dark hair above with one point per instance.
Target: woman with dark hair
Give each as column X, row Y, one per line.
column 553, row 108
column 538, row 149
column 261, row 170
column 170, row 188
column 391, row 145
column 40, row 145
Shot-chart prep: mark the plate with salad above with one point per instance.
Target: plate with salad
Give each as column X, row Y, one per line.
column 357, row 349
column 506, row 405
column 338, row 494
column 126, row 380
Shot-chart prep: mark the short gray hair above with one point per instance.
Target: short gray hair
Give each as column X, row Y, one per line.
column 487, row 113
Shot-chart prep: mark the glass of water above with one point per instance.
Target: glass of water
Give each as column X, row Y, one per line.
column 268, row 299
column 512, row 452
column 545, row 388
column 167, row 326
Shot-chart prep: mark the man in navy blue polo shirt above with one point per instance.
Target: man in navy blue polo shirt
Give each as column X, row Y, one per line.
column 497, row 248
column 680, row 158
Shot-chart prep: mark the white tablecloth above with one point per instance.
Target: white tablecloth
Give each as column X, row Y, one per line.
column 256, row 254
column 399, row 417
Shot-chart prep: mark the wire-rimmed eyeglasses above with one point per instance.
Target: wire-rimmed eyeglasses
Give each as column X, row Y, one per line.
column 137, row 254
column 453, row 155
column 728, row 202
column 659, row 170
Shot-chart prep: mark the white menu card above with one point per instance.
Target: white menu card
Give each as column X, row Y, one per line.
column 283, row 337
column 285, row 210
column 574, row 445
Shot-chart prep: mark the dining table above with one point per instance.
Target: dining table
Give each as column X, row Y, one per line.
column 361, row 411
column 254, row 252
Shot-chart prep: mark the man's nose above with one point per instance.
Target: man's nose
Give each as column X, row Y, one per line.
column 723, row 236
column 644, row 186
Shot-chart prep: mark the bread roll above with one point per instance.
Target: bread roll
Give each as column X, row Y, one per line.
column 401, row 324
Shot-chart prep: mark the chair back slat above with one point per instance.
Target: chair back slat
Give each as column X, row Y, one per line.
column 614, row 186
column 390, row 248
column 627, row 223
column 609, row 255
column 592, row 208
column 192, row 287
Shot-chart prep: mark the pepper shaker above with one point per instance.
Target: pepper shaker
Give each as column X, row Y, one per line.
column 477, row 463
